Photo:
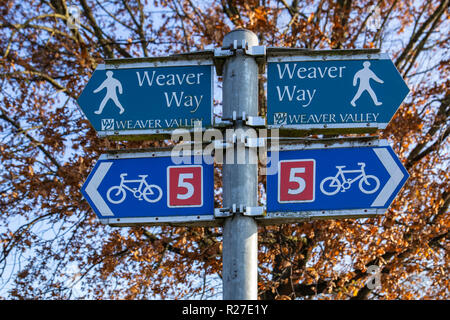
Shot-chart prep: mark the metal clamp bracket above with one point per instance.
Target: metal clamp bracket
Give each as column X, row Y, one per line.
column 256, row 51
column 249, row 142
column 259, row 52
column 245, row 210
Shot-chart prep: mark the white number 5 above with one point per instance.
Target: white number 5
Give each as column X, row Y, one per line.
column 300, row 181
column 187, row 185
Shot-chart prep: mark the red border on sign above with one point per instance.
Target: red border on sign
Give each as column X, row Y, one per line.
column 201, row 186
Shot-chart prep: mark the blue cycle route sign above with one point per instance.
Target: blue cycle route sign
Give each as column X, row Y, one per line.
column 333, row 91
column 150, row 188
column 139, row 96
column 335, row 181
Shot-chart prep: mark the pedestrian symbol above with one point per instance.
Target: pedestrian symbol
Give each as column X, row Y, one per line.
column 364, row 75
column 111, row 84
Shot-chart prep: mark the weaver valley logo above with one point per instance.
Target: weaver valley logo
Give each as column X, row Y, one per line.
column 107, row 124
column 280, row 118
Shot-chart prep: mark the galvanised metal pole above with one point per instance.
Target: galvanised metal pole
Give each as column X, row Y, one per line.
column 240, row 181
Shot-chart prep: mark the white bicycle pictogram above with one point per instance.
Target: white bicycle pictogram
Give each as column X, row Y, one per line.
column 368, row 184
column 148, row 192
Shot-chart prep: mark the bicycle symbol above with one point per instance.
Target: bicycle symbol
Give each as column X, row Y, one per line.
column 149, row 192
column 368, row 184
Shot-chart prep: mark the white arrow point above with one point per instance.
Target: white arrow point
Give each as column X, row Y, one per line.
column 92, row 187
column 394, row 171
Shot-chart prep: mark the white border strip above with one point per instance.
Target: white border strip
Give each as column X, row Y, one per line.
column 154, row 64
column 297, row 216
column 150, row 154
column 320, row 145
column 368, row 125
column 194, row 219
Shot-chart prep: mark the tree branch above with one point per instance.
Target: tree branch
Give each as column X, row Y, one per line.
column 36, row 143
column 97, row 31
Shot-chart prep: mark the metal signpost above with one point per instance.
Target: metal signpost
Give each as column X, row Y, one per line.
column 132, row 97
column 341, row 180
column 240, row 181
column 338, row 90
column 148, row 188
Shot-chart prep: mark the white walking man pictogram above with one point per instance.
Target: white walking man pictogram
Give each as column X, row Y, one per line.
column 110, row 84
column 364, row 75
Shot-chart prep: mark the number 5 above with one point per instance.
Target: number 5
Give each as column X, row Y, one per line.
column 300, row 181
column 187, row 185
